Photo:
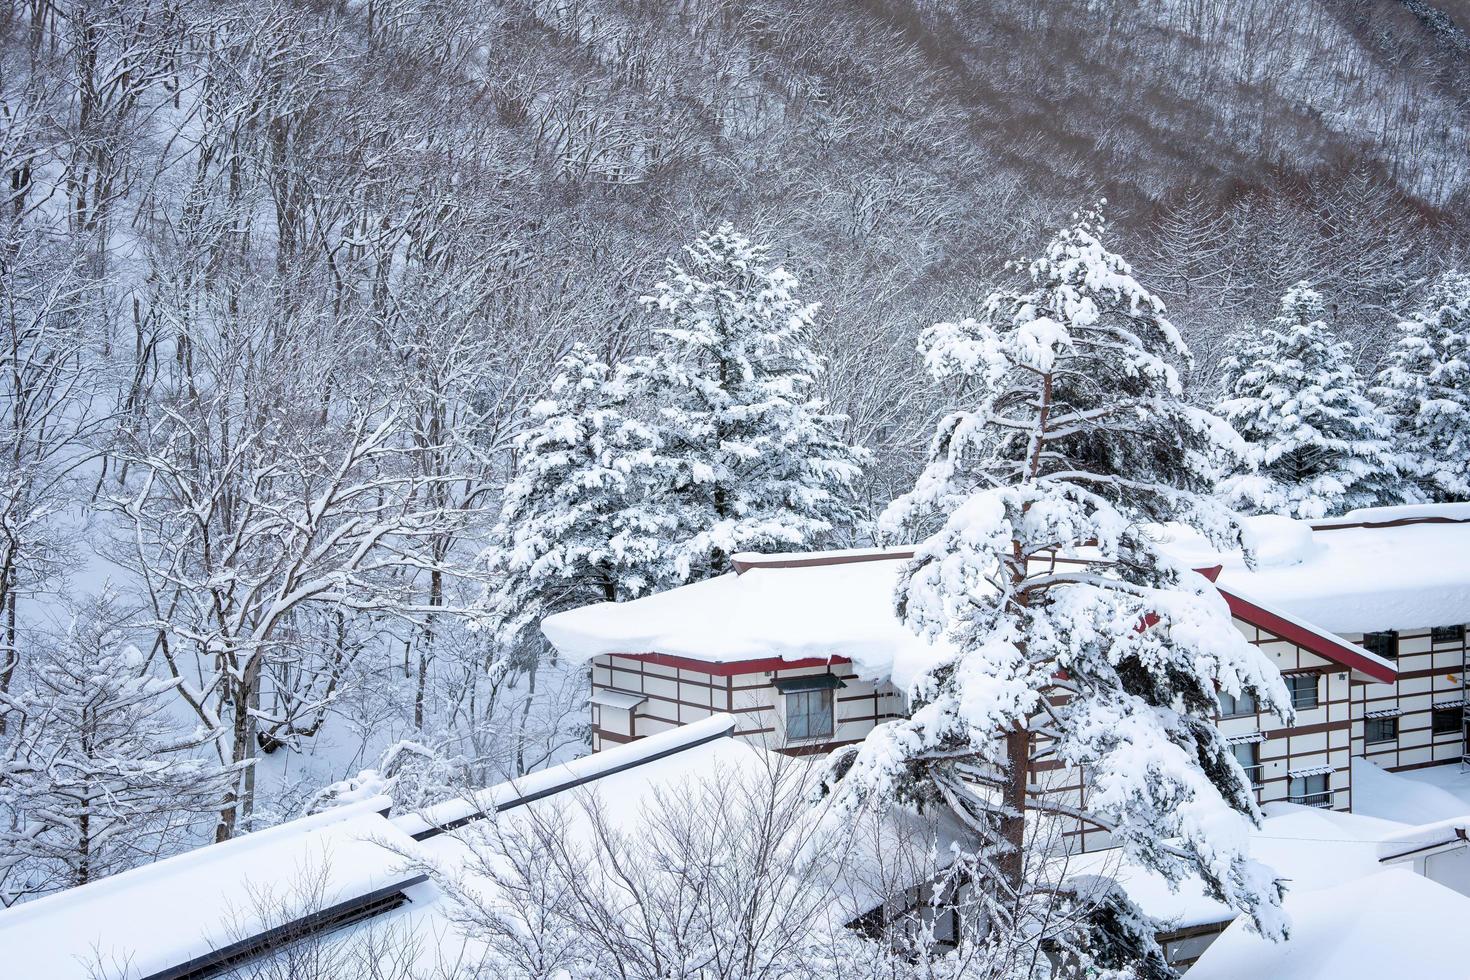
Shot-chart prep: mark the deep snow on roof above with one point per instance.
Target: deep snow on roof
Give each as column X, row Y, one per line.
column 155, row 918
column 1310, row 848
column 1348, row 578
column 843, row 609
column 162, row 915
column 1391, row 924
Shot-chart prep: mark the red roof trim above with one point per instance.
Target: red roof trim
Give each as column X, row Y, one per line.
column 731, row 667
column 1323, row 645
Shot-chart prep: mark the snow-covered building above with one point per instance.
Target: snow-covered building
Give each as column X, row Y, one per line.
column 1364, row 615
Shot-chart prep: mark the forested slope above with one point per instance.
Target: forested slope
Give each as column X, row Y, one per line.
column 266, row 266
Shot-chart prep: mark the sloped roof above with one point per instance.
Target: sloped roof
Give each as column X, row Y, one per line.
column 165, row 920
column 1391, row 924
column 1386, row 568
column 159, row 918
column 812, row 607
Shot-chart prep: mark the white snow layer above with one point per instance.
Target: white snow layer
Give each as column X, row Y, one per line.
column 1390, row 924
column 1350, row 579
column 1310, row 848
column 816, row 611
column 161, row 915
column 1342, row 580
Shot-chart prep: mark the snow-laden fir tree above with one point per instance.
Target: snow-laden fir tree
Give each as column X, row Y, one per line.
column 95, row 775
column 1426, row 390
column 759, row 462
column 581, row 520
column 1316, row 444
column 1061, row 632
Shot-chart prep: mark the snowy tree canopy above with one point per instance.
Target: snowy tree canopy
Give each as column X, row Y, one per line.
column 96, row 777
column 1067, row 637
column 1426, row 390
column 581, row 520
column 759, row 463
column 1316, row 444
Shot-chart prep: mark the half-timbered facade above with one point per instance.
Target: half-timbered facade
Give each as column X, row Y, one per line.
column 801, row 706
column 1364, row 616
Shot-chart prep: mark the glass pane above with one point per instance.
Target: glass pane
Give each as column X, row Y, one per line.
column 1231, row 706
column 1303, row 691
column 808, row 714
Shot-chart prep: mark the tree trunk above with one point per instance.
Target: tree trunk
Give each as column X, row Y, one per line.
column 10, row 652
column 1013, row 825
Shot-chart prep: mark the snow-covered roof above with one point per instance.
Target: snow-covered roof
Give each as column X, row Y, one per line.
column 1366, row 666
column 647, row 755
column 1309, row 847
column 1391, row 924
column 160, row 916
column 824, row 605
column 787, row 607
column 1384, row 568
column 154, row 920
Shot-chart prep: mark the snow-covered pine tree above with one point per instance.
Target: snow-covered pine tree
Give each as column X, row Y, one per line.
column 1062, row 633
column 581, row 520
column 760, row 463
column 1426, row 390
column 95, row 777
column 1316, row 444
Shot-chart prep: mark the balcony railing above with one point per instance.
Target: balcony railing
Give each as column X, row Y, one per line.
column 1322, row 801
column 1253, row 775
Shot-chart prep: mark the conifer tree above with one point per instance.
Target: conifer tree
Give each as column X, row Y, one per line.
column 95, row 777
column 581, row 520
column 1316, row 444
column 759, row 462
column 1061, row 633
column 1426, row 390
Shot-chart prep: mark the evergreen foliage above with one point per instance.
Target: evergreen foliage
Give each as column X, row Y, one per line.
column 95, row 777
column 759, row 464
column 582, row 519
column 1426, row 390
column 1067, row 635
column 1317, row 445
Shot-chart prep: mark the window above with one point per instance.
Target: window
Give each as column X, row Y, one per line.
column 1447, row 721
column 1380, row 729
column 1248, row 754
column 1233, row 707
column 1386, row 645
column 1310, row 790
column 809, row 714
column 1303, row 688
column 1447, row 634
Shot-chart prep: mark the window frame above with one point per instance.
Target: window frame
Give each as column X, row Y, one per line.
column 1392, row 722
column 1253, row 767
column 1292, row 686
column 1457, row 728
column 826, row 704
column 1236, row 712
column 1306, row 792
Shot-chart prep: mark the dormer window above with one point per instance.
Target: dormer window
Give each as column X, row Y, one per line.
column 808, row 705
